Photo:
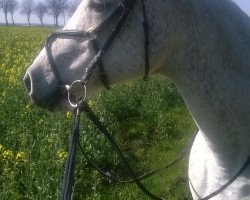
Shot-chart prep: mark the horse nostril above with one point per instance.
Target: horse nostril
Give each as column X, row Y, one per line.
column 27, row 82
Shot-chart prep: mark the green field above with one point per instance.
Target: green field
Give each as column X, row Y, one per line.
column 148, row 119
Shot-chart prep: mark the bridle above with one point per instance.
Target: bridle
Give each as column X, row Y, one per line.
column 123, row 9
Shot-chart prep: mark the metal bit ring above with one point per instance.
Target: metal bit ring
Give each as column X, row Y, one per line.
column 82, row 98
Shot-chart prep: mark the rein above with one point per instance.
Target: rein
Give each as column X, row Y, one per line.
column 68, row 179
column 123, row 9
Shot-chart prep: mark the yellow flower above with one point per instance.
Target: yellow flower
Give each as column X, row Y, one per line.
column 21, row 156
column 62, row 154
column 91, row 103
column 69, row 114
column 8, row 154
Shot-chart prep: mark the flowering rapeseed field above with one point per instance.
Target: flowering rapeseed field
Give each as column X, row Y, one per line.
column 25, row 155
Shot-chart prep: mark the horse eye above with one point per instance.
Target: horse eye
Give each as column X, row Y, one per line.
column 97, row 5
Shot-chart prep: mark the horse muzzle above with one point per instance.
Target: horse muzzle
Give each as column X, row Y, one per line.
column 52, row 97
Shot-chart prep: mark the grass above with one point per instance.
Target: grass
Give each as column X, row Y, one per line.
column 148, row 119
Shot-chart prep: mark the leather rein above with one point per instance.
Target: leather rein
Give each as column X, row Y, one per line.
column 122, row 10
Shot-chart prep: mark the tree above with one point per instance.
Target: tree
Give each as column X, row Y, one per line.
column 64, row 17
column 4, row 4
column 73, row 6
column 40, row 11
column 12, row 7
column 56, row 8
column 27, row 8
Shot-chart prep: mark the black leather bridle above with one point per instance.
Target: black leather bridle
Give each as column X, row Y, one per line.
column 122, row 10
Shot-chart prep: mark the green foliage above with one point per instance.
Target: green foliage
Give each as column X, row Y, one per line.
column 148, row 119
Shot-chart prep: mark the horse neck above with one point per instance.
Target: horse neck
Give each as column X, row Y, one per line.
column 212, row 74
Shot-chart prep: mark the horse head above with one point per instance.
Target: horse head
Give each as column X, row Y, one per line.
column 72, row 50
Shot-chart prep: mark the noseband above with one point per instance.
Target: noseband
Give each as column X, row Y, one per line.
column 123, row 8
